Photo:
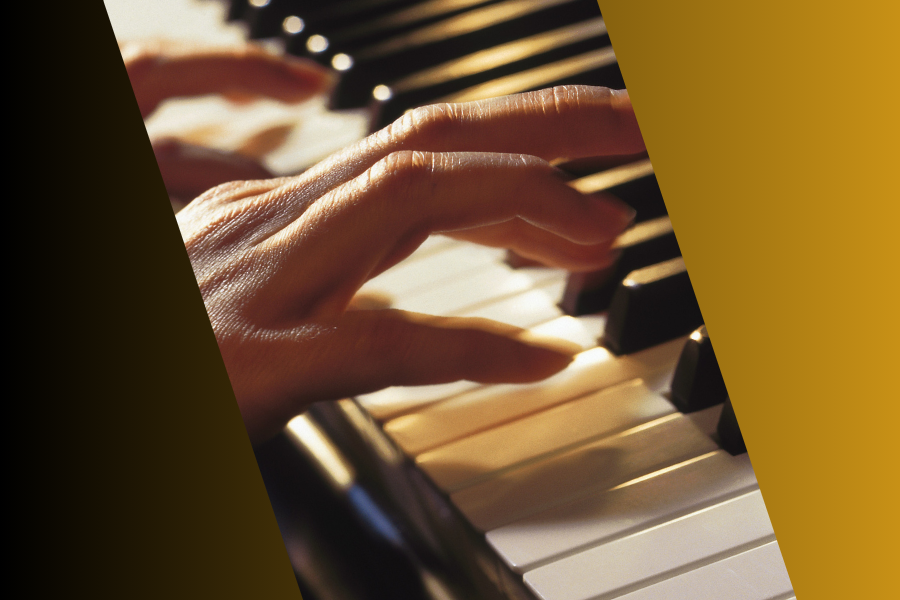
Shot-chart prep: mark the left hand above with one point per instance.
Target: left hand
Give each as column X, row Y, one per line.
column 164, row 69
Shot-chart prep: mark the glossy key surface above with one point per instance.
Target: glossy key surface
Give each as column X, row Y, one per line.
column 652, row 305
column 698, row 383
column 656, row 554
column 645, row 244
column 588, row 469
column 601, row 414
column 634, row 506
column 487, row 407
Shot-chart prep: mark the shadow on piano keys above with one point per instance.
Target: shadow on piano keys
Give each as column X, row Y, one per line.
column 618, row 478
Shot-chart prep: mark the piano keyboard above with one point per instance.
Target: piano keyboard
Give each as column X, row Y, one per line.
column 592, row 484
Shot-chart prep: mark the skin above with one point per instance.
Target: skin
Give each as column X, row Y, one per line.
column 278, row 261
column 164, row 69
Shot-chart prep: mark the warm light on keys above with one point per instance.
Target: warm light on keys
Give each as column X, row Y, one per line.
column 382, row 92
column 317, row 43
column 341, row 62
column 293, row 24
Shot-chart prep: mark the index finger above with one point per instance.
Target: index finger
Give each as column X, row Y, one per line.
column 563, row 122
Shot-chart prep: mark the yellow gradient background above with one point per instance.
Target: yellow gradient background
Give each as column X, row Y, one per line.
column 773, row 129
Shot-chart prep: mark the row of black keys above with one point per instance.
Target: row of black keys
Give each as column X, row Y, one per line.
column 654, row 304
column 649, row 300
column 399, row 54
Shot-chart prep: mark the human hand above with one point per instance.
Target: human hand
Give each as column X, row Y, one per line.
column 164, row 69
column 278, row 262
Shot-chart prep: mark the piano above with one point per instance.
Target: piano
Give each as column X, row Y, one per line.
column 622, row 477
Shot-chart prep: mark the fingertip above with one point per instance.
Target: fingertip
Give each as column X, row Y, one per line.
column 540, row 362
column 624, row 214
column 526, row 357
column 621, row 98
column 612, row 216
column 621, row 103
column 311, row 77
column 552, row 344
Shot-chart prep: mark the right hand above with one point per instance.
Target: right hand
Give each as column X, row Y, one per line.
column 279, row 261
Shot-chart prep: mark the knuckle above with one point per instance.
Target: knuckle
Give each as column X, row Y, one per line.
column 405, row 173
column 227, row 193
column 564, row 99
column 531, row 170
column 531, row 164
column 428, row 123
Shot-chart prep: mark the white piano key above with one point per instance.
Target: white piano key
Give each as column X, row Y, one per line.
column 538, row 304
column 584, row 331
column 555, row 288
column 585, row 470
column 544, row 277
column 472, row 459
column 656, row 554
column 549, row 535
column 446, row 262
column 486, row 407
column 758, row 574
column 394, row 401
column 432, row 244
column 487, row 283
column 522, row 310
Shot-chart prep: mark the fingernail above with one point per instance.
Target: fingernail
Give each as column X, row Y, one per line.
column 305, row 70
column 611, row 258
column 624, row 214
column 621, row 97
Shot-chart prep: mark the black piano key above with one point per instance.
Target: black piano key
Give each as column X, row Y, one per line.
column 590, row 165
column 645, row 244
column 730, row 437
column 652, row 305
column 236, row 10
column 449, row 39
column 324, row 19
column 643, row 195
column 591, row 68
column 264, row 17
column 328, row 36
column 635, row 185
column 426, row 86
column 698, row 383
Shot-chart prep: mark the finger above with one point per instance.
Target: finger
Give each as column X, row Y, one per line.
column 189, row 170
column 564, row 122
column 385, row 213
column 537, row 246
column 163, row 70
column 369, row 350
